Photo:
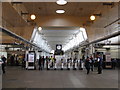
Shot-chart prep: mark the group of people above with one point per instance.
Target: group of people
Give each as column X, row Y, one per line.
column 15, row 59
column 42, row 60
column 89, row 64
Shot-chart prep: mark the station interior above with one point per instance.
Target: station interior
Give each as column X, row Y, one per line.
column 74, row 31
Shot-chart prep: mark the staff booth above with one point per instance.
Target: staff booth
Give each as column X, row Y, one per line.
column 31, row 58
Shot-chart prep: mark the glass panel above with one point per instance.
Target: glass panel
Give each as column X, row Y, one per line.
column 80, row 37
column 40, row 42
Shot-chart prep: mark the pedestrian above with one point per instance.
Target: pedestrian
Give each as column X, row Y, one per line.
column 23, row 62
column 91, row 63
column 43, row 61
column 100, row 61
column 16, row 58
column 3, row 58
column 55, row 65
column 87, row 65
column 114, row 62
column 40, row 62
column 52, row 61
column 47, row 61
column 12, row 60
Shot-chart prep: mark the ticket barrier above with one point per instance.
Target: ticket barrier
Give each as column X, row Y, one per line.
column 68, row 64
column 62, row 64
column 48, row 65
column 55, row 65
column 81, row 65
column 75, row 65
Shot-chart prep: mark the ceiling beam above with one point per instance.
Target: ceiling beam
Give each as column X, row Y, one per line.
column 19, row 37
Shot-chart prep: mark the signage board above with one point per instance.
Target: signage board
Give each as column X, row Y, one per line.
column 31, row 57
column 108, row 57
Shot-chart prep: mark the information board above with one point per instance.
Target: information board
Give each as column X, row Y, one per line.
column 108, row 57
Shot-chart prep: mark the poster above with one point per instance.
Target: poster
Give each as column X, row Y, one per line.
column 31, row 57
column 108, row 57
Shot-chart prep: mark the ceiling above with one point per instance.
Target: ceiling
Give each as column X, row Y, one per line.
column 58, row 35
column 72, row 8
column 53, row 34
column 61, row 35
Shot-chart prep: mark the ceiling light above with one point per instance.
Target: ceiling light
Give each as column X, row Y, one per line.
column 33, row 17
column 81, row 28
column 92, row 17
column 60, row 11
column 40, row 28
column 61, row 2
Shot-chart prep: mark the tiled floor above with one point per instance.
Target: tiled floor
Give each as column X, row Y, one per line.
column 19, row 78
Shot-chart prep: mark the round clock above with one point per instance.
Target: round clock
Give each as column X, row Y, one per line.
column 59, row 47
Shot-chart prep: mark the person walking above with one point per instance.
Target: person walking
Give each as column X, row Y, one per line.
column 43, row 61
column 87, row 65
column 114, row 62
column 23, row 62
column 47, row 62
column 52, row 61
column 12, row 59
column 99, row 60
column 40, row 62
column 91, row 63
column 3, row 63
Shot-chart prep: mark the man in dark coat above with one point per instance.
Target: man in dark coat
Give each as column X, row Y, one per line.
column 91, row 63
column 40, row 62
column 100, row 61
column 87, row 65
column 12, row 60
column 43, row 61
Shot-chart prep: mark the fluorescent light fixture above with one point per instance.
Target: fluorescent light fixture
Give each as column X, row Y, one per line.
column 60, row 11
column 52, row 51
column 81, row 28
column 40, row 28
column 61, row 2
column 33, row 17
column 92, row 17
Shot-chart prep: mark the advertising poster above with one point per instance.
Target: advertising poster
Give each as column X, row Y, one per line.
column 31, row 57
column 108, row 57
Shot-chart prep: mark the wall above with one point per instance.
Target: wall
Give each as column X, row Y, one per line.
column 97, row 30
column 113, row 50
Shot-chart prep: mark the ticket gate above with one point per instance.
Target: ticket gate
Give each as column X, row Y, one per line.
column 68, row 64
column 75, row 65
column 62, row 64
column 81, row 65
column 55, row 65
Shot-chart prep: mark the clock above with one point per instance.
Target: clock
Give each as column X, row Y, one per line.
column 59, row 47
